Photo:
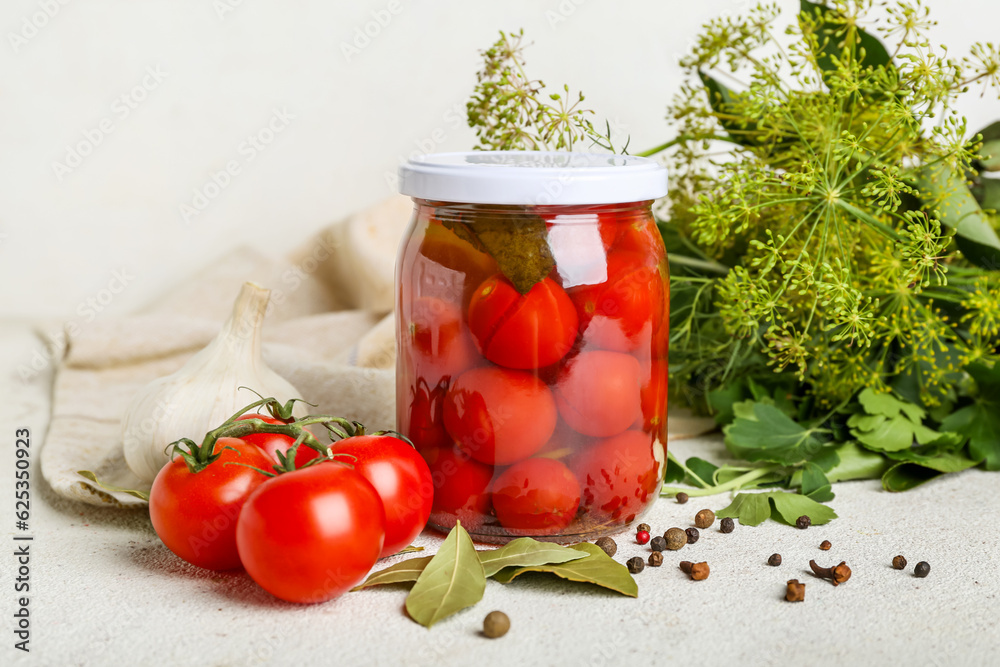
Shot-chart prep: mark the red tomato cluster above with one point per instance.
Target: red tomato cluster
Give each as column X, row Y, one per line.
column 549, row 423
column 306, row 535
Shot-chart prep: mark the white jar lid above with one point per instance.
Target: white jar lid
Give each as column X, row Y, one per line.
column 533, row 178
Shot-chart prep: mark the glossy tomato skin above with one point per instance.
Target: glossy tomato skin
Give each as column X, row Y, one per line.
column 653, row 395
column 461, row 488
column 537, row 496
column 402, row 479
column 310, row 535
column 423, row 420
column 619, row 477
column 621, row 312
column 522, row 331
column 439, row 342
column 499, row 416
column 195, row 514
column 598, row 392
column 272, row 443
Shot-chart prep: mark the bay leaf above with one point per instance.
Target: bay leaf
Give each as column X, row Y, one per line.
column 453, row 580
column 526, row 552
column 408, row 550
column 141, row 495
column 596, row 568
column 513, row 236
column 408, row 570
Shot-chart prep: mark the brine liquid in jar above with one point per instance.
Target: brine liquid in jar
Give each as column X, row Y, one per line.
column 532, row 336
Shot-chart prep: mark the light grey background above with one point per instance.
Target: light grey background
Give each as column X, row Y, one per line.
column 226, row 65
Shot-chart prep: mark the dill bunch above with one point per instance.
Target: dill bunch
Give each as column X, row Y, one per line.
column 828, row 175
column 510, row 111
column 832, row 236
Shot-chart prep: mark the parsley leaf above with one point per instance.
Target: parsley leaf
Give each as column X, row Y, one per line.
column 752, row 509
column 790, row 506
column 815, row 484
column 890, row 425
column 980, row 422
column 762, row 432
column 906, row 475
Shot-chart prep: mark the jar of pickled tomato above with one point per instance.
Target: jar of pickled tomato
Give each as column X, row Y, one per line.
column 532, row 333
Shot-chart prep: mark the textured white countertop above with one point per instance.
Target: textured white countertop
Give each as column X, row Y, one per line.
column 105, row 591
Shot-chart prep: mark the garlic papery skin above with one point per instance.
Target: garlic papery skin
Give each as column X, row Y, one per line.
column 206, row 391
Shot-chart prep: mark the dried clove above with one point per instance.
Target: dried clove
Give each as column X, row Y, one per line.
column 796, row 592
column 837, row 574
column 697, row 571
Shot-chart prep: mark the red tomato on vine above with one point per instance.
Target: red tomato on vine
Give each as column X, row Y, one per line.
column 311, row 534
column 195, row 513
column 400, row 476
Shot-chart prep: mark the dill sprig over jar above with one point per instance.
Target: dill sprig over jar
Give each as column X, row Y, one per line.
column 532, row 332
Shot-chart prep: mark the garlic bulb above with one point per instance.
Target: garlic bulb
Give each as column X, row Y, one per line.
column 205, row 392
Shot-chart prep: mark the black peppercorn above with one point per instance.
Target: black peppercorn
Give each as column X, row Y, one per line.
column 682, row 497
column 899, row 563
column 658, row 544
column 607, row 545
column 727, row 525
column 642, row 527
column 693, row 535
column 635, row 564
column 774, row 560
column 825, row 545
column 803, row 522
column 656, row 559
column 922, row 569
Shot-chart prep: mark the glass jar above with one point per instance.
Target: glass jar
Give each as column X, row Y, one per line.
column 532, row 334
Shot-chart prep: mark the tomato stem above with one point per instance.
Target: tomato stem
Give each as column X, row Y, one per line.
column 198, row 457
